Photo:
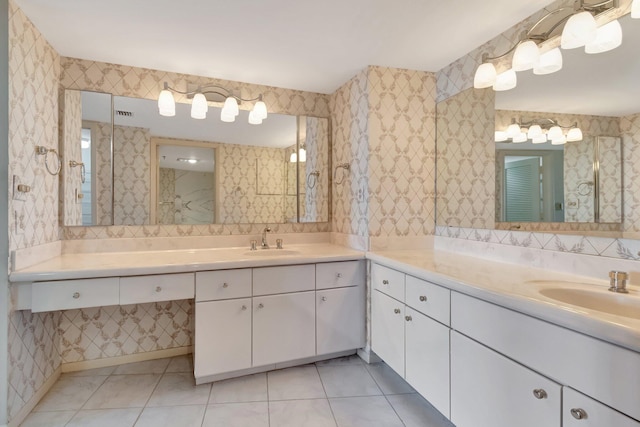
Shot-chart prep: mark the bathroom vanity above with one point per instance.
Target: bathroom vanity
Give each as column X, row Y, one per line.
column 254, row 310
column 487, row 349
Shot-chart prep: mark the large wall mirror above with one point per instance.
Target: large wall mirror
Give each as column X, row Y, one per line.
column 142, row 168
column 485, row 183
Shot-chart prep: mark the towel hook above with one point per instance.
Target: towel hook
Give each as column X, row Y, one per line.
column 346, row 166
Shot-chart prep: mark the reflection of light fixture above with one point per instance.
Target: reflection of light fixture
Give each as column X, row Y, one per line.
column 539, row 131
column 635, row 9
column 85, row 143
column 579, row 28
column 302, row 156
column 199, row 105
column 190, row 161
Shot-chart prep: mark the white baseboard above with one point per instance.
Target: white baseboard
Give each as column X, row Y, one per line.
column 121, row 360
column 26, row 409
column 368, row 355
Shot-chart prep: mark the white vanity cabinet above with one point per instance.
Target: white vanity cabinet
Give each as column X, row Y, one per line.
column 489, row 390
column 255, row 319
column 581, row 411
column 407, row 333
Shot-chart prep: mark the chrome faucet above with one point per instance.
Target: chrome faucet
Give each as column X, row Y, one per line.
column 618, row 282
column 264, row 244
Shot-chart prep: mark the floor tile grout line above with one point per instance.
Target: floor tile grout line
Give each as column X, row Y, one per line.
column 326, row 396
column 394, row 410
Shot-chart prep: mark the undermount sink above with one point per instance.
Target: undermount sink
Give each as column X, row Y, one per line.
column 272, row 252
column 626, row 305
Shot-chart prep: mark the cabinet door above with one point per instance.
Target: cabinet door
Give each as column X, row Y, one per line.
column 489, row 390
column 223, row 336
column 340, row 319
column 284, row 327
column 427, row 358
column 579, row 410
column 387, row 330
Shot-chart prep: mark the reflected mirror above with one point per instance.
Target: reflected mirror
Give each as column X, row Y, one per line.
column 178, row 170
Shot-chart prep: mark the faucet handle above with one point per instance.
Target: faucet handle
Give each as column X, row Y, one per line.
column 253, row 245
column 278, row 243
column 618, row 281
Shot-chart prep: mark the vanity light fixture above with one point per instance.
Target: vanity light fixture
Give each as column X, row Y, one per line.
column 300, row 156
column 578, row 28
column 539, row 131
column 200, row 106
column 190, row 161
column 635, row 9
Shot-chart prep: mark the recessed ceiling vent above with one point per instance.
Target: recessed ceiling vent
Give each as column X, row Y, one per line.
column 122, row 113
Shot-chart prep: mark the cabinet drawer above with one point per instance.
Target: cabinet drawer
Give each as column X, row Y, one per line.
column 280, row 280
column 340, row 274
column 223, row 284
column 429, row 299
column 388, row 281
column 564, row 355
column 580, row 411
column 161, row 287
column 68, row 294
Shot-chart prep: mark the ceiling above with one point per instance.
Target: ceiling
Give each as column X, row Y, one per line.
column 298, row 44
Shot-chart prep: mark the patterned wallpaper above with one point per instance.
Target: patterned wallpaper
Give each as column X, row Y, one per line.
column 101, row 137
column 402, row 132
column 314, row 206
column 350, row 129
column 71, row 132
column 466, row 155
column 630, row 131
column 610, row 164
column 166, row 211
column 579, row 186
column 34, row 69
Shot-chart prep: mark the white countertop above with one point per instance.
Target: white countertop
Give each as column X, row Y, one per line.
column 86, row 265
column 517, row 287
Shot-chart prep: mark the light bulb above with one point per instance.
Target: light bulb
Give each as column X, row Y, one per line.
column 513, row 130
column 485, row 76
column 253, row 119
column 574, row 134
column 500, row 136
column 303, row 155
column 534, row 131
column 559, row 141
column 521, row 137
column 227, row 116
column 166, row 104
column 526, row 56
column 260, row 110
column 555, row 133
column 541, row 139
column 505, row 81
column 199, row 106
column 293, row 158
column 635, row 9
column 550, row 62
column 231, row 105
column 579, row 30
column 609, row 37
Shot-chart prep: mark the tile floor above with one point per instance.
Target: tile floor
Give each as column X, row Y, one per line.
column 339, row 393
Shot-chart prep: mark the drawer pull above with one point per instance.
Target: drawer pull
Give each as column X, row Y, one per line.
column 423, row 298
column 579, row 413
column 225, row 285
column 396, row 311
column 158, row 289
column 385, row 282
column 540, row 393
column 338, row 275
column 244, row 307
column 260, row 305
column 408, row 318
column 324, row 298
column 76, row 295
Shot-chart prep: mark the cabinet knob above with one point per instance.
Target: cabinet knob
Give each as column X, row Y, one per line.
column 540, row 393
column 396, row 311
column 338, row 275
column 76, row 295
column 225, row 285
column 244, row 307
column 408, row 318
column 579, row 413
column 423, row 298
column 385, row 282
column 158, row 289
column 324, row 298
column 260, row 305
